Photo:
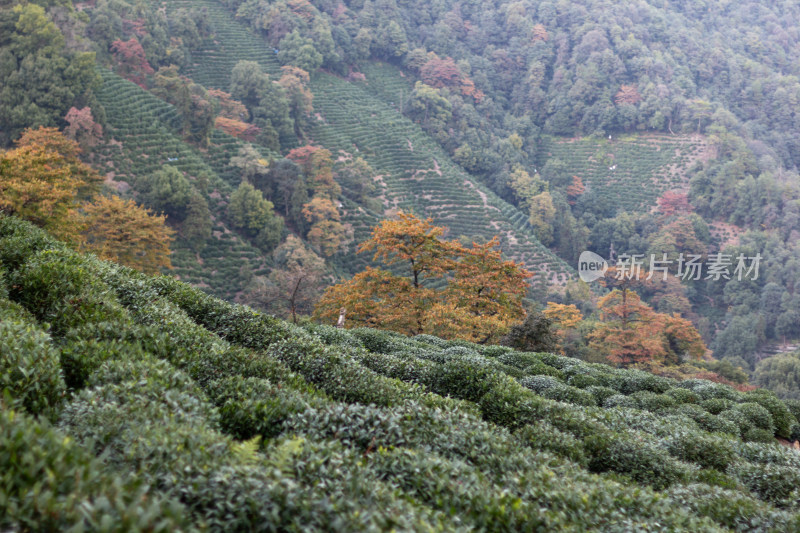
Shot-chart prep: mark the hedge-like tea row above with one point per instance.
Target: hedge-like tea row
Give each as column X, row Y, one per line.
column 175, row 410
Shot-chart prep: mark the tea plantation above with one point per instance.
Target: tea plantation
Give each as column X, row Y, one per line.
column 414, row 172
column 144, row 136
column 628, row 173
column 142, row 403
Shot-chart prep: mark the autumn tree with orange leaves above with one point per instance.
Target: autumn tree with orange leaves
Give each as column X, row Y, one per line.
column 121, row 231
column 44, row 181
column 631, row 332
column 566, row 317
column 436, row 286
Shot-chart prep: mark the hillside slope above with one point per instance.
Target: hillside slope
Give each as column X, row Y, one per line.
column 141, row 137
column 162, row 408
column 414, row 172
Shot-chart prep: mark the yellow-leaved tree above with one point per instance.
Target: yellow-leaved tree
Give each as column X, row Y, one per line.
column 441, row 287
column 566, row 317
column 121, row 231
column 44, row 181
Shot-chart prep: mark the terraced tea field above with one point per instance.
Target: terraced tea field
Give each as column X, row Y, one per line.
column 414, row 173
column 143, row 133
column 629, row 172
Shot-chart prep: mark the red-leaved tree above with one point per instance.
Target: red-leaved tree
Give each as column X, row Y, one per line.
column 131, row 59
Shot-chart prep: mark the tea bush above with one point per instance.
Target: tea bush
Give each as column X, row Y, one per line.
column 30, row 371
column 176, row 410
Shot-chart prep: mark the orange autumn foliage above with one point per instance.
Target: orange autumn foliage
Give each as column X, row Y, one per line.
column 575, row 189
column 631, row 332
column 628, row 95
column 121, row 231
column 44, row 181
column 237, row 128
column 445, row 288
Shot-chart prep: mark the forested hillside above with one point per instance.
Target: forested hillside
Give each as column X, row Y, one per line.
column 253, row 145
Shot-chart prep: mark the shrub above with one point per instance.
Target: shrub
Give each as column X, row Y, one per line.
column 741, row 420
column 20, row 241
column 772, row 483
column 682, row 395
column 625, row 454
column 253, row 406
column 50, row 483
column 794, row 408
column 757, row 415
column 543, row 436
column 539, row 384
column 468, row 378
column 708, row 451
column 601, row 394
column 541, row 369
column 759, row 435
column 634, row 380
column 707, row 390
column 716, row 405
column 495, row 350
column 3, row 285
column 794, row 432
column 430, row 339
column 707, row 421
column 80, row 356
column 234, row 323
column 651, row 401
column 565, row 393
column 61, row 288
column 620, row 400
column 376, row 340
column 331, row 335
column 510, row 405
column 342, row 378
column 717, row 479
column 728, row 508
column 582, row 381
column 782, row 418
column 30, row 369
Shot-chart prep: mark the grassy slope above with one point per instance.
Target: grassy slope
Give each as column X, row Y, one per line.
column 235, row 420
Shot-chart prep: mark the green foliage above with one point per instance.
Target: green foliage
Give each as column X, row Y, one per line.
column 543, row 436
column 61, row 288
column 253, row 423
column 535, row 334
column 43, row 77
column 782, row 418
column 299, row 51
column 255, row 407
column 729, row 508
column 167, row 190
column 254, row 215
column 30, row 373
column 780, row 374
column 707, row 451
column 772, row 483
column 49, row 482
column 758, row 415
column 625, row 454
